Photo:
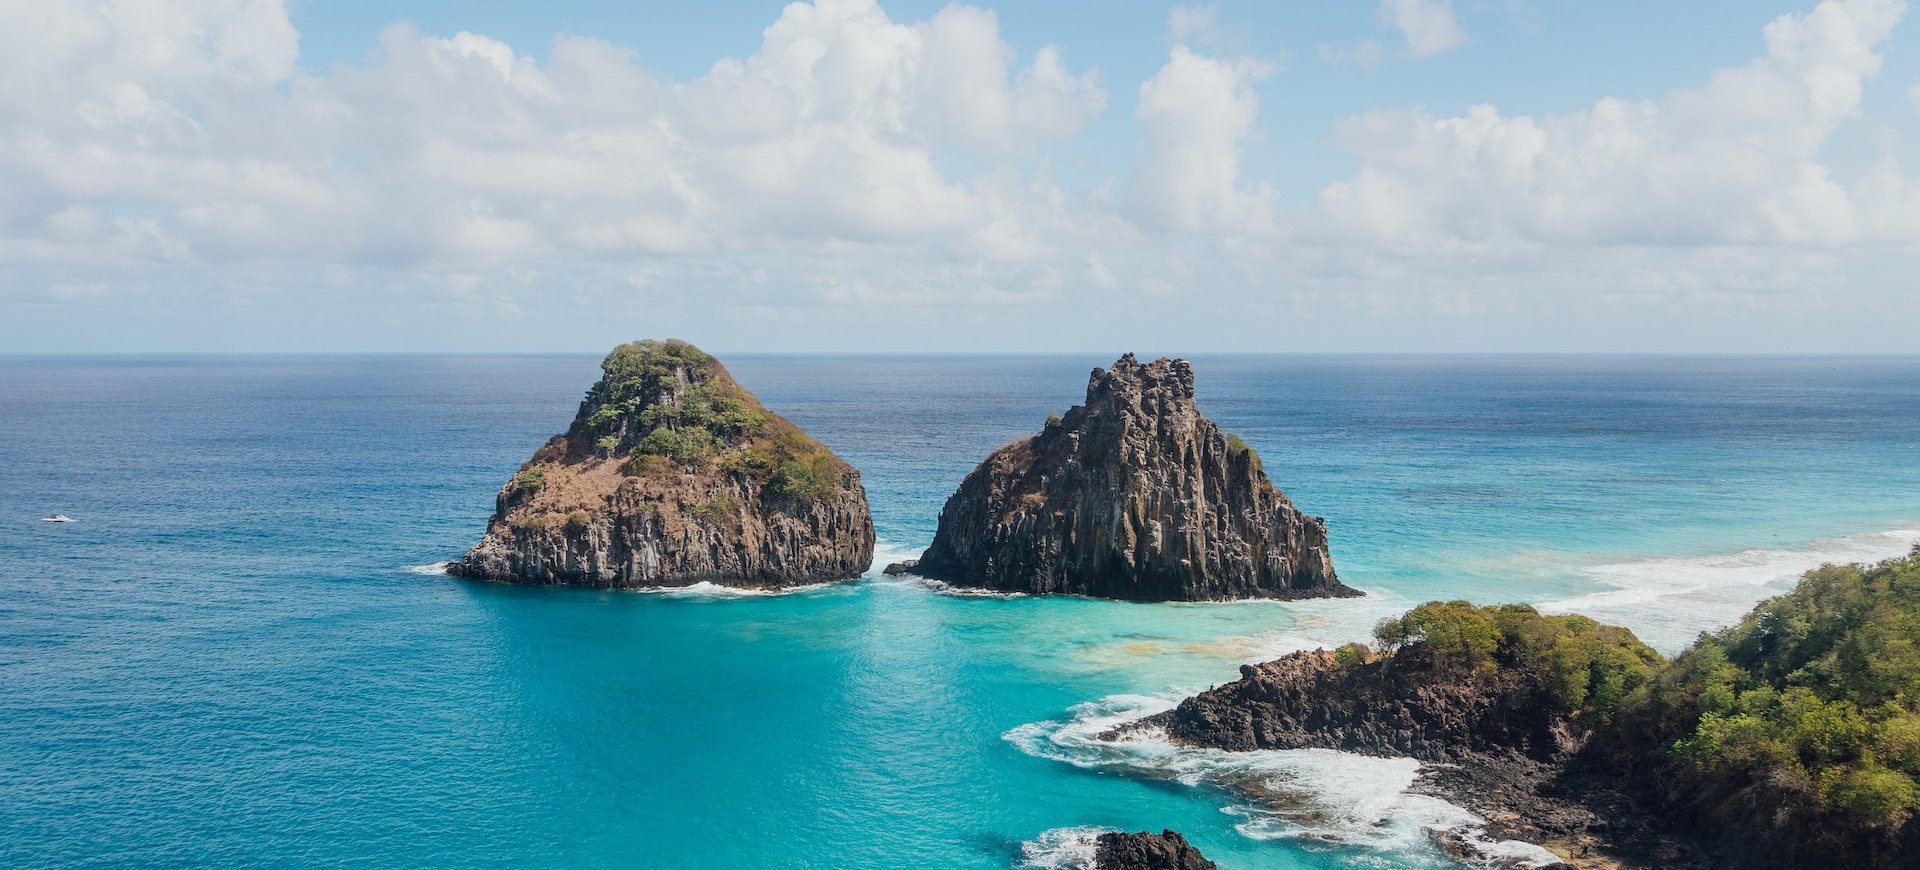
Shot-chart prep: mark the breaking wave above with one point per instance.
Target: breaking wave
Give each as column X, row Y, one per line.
column 1313, row 797
column 1697, row 593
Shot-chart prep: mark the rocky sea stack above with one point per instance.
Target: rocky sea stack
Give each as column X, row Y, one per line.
column 1133, row 495
column 1166, row 850
column 673, row 474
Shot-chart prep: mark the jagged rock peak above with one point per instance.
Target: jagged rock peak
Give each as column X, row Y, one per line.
column 1134, row 494
column 670, row 474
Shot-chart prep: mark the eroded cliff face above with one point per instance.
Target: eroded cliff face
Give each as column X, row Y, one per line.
column 1132, row 495
column 673, row 474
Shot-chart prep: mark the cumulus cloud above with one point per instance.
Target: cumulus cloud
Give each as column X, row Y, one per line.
column 1196, row 115
column 178, row 155
column 1428, row 25
column 1734, row 162
column 185, row 131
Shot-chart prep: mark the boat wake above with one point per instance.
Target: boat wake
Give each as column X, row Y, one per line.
column 1311, row 797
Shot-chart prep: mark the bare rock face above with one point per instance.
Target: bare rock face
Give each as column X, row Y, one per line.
column 1166, row 850
column 1133, row 495
column 672, row 474
column 1401, row 704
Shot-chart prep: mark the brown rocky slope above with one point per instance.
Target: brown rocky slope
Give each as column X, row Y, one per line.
column 673, row 474
column 1133, row 495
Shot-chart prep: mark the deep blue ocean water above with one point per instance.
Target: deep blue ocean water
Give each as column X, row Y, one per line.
column 237, row 655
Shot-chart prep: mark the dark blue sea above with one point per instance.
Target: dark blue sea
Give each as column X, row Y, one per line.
column 242, row 653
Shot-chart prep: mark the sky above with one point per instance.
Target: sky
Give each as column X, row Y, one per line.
column 852, row 176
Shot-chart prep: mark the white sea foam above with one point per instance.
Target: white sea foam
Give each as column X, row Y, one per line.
column 1304, row 795
column 707, row 589
column 1326, row 623
column 1670, row 600
column 945, row 588
column 887, row 552
column 435, row 568
column 1061, row 849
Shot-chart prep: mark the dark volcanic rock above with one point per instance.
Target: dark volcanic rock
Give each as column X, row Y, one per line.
column 1166, row 850
column 1497, row 746
column 1133, row 495
column 673, row 474
column 895, row 569
column 1400, row 704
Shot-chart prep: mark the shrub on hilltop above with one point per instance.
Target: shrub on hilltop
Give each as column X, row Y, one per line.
column 1814, row 697
column 665, row 404
column 1588, row 668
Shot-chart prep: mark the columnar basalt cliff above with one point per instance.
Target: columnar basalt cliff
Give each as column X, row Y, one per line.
column 1132, row 495
column 1166, row 850
column 673, row 474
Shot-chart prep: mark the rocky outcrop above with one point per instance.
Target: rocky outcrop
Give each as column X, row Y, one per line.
column 673, row 474
column 1402, row 704
column 1132, row 495
column 1166, row 850
column 1496, row 740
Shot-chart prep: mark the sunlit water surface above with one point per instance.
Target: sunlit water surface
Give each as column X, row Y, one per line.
column 240, row 653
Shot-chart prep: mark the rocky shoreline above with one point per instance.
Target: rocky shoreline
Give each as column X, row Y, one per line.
column 1488, row 743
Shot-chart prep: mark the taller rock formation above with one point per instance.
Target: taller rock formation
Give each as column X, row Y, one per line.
column 672, row 474
column 1133, row 495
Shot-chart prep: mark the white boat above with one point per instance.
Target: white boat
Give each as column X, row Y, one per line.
column 57, row 518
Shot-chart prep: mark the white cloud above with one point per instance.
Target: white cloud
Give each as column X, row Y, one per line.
column 1428, row 25
column 465, row 151
column 1193, row 24
column 1196, row 115
column 851, row 165
column 1734, row 162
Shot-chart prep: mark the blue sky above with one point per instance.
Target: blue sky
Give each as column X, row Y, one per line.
column 1509, row 175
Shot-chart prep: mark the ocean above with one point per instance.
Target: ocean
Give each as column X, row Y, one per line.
column 242, row 652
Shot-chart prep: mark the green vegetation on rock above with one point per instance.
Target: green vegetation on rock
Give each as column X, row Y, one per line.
column 1816, row 692
column 528, row 480
column 1590, row 668
column 1237, row 447
column 667, row 405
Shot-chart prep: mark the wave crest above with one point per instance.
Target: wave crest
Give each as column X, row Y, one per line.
column 1061, row 849
column 1698, row 593
column 1308, row 796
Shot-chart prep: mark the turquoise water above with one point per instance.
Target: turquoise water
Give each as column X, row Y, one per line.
column 241, row 655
